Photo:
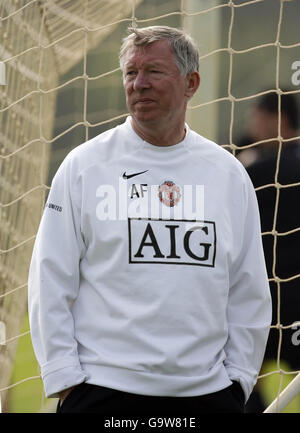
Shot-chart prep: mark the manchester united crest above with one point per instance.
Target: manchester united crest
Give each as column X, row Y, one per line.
column 169, row 193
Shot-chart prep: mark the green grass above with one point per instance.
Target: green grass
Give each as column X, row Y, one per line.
column 269, row 385
column 27, row 397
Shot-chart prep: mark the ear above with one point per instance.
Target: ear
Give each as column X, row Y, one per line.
column 192, row 84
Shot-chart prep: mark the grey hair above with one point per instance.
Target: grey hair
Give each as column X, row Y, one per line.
column 185, row 50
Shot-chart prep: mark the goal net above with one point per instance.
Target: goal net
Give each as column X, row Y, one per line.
column 60, row 85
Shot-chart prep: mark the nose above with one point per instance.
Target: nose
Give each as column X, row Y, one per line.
column 141, row 81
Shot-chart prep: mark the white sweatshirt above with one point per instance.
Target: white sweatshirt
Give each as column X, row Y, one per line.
column 123, row 293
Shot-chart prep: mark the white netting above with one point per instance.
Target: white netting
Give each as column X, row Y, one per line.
column 63, row 86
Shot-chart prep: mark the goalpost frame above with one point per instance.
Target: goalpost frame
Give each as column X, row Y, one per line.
column 285, row 397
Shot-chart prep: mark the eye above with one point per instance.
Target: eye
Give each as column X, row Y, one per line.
column 128, row 73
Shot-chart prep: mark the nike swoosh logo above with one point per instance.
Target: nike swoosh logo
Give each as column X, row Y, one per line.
column 128, row 176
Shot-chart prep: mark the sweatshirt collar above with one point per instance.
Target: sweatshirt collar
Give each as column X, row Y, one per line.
column 161, row 149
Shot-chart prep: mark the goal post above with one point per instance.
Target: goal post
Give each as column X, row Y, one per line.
column 40, row 40
column 285, row 397
column 26, row 125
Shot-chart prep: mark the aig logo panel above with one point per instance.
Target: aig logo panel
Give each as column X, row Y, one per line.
column 177, row 242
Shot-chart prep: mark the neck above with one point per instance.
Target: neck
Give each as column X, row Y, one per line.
column 160, row 137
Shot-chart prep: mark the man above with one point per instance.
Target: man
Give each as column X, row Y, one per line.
column 138, row 303
column 285, row 160
column 263, row 127
column 282, row 213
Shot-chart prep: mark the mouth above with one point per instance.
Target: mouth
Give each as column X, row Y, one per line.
column 144, row 101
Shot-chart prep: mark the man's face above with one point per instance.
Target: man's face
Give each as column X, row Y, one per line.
column 155, row 90
column 263, row 124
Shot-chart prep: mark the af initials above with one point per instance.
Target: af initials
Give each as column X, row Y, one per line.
column 137, row 190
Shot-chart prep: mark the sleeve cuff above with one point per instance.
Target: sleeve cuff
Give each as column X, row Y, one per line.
column 60, row 378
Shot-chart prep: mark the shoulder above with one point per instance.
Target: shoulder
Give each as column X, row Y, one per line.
column 218, row 158
column 101, row 149
column 96, row 149
column 263, row 170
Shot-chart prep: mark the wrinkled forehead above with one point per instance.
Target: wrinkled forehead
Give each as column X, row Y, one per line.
column 155, row 52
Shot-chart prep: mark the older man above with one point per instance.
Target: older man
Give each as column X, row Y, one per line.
column 147, row 288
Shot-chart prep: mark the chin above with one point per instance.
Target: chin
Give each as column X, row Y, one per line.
column 145, row 117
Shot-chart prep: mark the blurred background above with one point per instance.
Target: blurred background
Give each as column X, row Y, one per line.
column 60, row 85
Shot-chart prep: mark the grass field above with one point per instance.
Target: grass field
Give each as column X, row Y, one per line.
column 269, row 385
column 28, row 397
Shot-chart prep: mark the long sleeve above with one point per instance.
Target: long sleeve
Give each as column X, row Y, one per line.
column 249, row 302
column 53, row 284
